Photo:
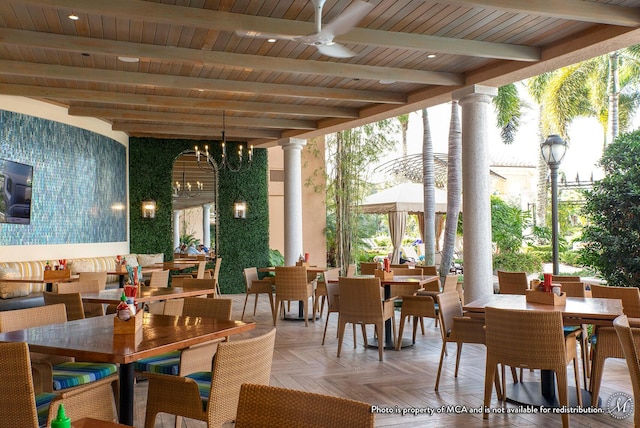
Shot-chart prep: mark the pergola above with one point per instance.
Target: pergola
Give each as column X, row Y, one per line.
column 171, row 69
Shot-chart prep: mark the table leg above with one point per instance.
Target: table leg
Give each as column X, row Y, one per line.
column 49, row 287
column 543, row 393
column 388, row 333
column 126, row 393
column 121, row 281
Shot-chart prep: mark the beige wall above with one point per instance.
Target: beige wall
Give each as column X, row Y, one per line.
column 313, row 201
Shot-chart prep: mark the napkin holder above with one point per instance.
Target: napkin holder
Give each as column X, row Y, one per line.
column 121, row 268
column 131, row 326
column 54, row 275
column 301, row 263
column 545, row 298
column 383, row 274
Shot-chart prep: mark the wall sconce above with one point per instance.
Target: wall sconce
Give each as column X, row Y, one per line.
column 149, row 209
column 240, row 209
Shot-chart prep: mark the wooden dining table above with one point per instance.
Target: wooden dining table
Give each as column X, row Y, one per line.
column 418, row 281
column 40, row 280
column 147, row 294
column 93, row 339
column 576, row 311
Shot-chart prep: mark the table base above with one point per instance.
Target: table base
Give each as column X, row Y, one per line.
column 529, row 393
column 372, row 342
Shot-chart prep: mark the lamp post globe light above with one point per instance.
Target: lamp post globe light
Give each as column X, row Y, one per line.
column 553, row 150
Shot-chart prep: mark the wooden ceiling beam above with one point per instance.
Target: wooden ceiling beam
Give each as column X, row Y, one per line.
column 174, row 102
column 202, row 119
column 30, row 69
column 205, row 131
column 574, row 10
column 216, row 20
column 147, row 52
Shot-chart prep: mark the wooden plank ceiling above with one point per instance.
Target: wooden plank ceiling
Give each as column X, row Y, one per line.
column 195, row 59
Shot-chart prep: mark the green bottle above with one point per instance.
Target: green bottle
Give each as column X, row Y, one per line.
column 61, row 421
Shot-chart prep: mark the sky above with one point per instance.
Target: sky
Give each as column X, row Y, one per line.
column 586, row 137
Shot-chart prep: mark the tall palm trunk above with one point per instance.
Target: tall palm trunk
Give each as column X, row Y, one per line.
column 543, row 183
column 428, row 186
column 614, row 98
column 454, row 188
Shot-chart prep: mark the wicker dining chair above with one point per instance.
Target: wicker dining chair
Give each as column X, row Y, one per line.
column 417, row 307
column 85, row 286
column 361, row 302
column 368, row 268
column 565, row 278
column 454, row 328
column 292, row 285
column 56, row 373
column 256, row 286
column 351, row 270
column 216, row 275
column 72, row 302
column 320, row 296
column 628, row 338
column 176, row 280
column 263, row 406
column 23, row 406
column 213, row 396
column 333, row 301
column 530, row 339
column 159, row 279
column 605, row 343
column 100, row 276
column 512, row 282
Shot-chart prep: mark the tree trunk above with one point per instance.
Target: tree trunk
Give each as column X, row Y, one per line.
column 454, row 189
column 428, row 186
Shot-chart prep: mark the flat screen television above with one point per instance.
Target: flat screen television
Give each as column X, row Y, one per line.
column 15, row 192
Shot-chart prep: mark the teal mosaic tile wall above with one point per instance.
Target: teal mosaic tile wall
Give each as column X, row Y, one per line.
column 79, row 182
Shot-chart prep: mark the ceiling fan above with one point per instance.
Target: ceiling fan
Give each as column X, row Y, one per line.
column 322, row 39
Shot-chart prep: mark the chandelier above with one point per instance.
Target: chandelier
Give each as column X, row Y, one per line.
column 239, row 162
column 184, row 188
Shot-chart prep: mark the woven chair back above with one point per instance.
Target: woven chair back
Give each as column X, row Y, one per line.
column 572, row 288
column 626, row 336
column 19, row 319
column 250, row 275
column 630, row 297
column 360, row 300
column 199, row 283
column 368, row 268
column 101, row 277
column 351, row 271
column 529, row 339
column 235, row 363
column 85, row 286
column 448, row 307
column 262, row 406
column 176, row 280
column 202, row 266
column 18, row 404
column 291, row 283
column 512, row 282
column 565, row 278
column 333, row 296
column 159, row 279
column 450, row 283
column 72, row 301
column 214, row 308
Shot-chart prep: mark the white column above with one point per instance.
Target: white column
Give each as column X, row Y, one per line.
column 475, row 102
column 293, row 246
column 206, row 229
column 176, row 229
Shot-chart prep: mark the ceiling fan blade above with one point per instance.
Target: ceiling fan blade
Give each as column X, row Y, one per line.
column 335, row 50
column 259, row 35
column 348, row 19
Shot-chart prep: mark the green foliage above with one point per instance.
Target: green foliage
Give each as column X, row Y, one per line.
column 241, row 243
column 517, row 261
column 508, row 107
column 188, row 239
column 275, row 258
column 612, row 237
column 507, row 225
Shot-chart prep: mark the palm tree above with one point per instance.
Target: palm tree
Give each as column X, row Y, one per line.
column 428, row 186
column 454, row 188
column 404, row 127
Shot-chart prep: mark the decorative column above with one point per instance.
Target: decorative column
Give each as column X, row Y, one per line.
column 206, row 227
column 176, row 229
column 476, row 190
column 293, row 247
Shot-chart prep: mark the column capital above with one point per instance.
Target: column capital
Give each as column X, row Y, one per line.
column 293, row 143
column 478, row 92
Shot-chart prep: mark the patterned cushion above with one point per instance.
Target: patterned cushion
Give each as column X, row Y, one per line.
column 67, row 375
column 42, row 406
column 150, row 259
column 12, row 289
column 203, row 379
column 168, row 363
column 568, row 329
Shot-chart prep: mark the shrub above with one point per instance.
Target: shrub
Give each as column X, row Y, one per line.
column 517, row 261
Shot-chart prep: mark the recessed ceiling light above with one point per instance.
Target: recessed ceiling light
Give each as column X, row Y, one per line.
column 386, row 81
column 431, row 55
column 128, row 59
column 271, row 40
column 73, row 17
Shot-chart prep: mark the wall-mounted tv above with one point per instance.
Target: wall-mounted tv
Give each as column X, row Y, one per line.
column 15, row 192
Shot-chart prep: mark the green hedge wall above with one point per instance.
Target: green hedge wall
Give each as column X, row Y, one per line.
column 241, row 243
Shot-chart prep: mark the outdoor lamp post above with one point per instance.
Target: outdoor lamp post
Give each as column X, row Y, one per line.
column 553, row 150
